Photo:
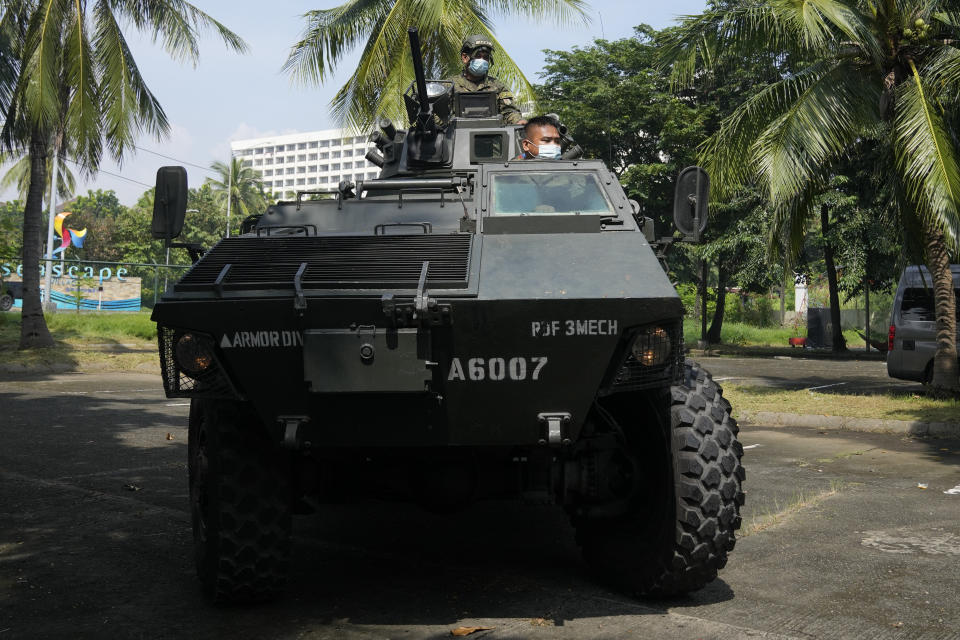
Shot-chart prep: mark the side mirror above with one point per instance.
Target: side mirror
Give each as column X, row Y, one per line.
column 169, row 203
column 690, row 203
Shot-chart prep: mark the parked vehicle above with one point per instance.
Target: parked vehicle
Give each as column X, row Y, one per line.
column 9, row 292
column 912, row 340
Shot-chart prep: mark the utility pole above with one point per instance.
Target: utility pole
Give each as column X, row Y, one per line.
column 229, row 189
column 53, row 212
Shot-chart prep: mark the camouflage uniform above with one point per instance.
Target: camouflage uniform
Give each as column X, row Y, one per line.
column 505, row 101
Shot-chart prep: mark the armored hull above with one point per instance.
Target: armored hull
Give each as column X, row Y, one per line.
column 531, row 324
column 465, row 326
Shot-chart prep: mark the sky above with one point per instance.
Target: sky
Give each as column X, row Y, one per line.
column 230, row 96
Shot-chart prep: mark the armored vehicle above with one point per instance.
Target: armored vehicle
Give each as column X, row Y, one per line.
column 465, row 326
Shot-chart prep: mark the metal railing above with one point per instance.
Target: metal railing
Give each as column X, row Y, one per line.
column 154, row 277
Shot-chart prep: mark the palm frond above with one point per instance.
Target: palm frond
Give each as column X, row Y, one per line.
column 822, row 23
column 331, row 33
column 202, row 20
column 564, row 13
column 795, row 28
column 829, row 104
column 790, row 222
column 926, row 157
column 83, row 115
column 129, row 105
column 39, row 89
column 740, row 31
column 787, row 131
column 18, row 177
column 942, row 72
column 12, row 28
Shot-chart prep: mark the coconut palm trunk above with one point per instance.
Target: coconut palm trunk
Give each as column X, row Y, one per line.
column 946, row 371
column 33, row 329
column 838, row 341
column 71, row 73
column 716, row 325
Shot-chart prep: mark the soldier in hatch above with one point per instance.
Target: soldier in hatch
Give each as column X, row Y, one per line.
column 541, row 139
column 477, row 56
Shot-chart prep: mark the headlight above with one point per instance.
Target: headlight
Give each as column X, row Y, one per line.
column 194, row 354
column 435, row 89
column 652, row 347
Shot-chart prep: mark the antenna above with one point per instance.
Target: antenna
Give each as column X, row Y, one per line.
column 603, row 36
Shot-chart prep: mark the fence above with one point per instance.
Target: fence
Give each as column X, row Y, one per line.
column 100, row 285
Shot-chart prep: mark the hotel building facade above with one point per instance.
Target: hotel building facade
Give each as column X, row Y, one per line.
column 313, row 161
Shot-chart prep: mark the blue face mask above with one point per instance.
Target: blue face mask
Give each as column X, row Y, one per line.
column 548, row 151
column 478, row 67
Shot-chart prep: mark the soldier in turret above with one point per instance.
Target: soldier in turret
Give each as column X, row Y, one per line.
column 477, row 55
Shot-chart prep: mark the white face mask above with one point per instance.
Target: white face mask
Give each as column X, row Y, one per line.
column 548, row 151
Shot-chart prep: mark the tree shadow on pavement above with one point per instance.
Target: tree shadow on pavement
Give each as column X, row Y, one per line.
column 95, row 540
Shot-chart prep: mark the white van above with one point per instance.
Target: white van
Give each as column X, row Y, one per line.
column 912, row 340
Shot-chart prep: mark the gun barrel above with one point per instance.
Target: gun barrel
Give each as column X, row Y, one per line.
column 418, row 73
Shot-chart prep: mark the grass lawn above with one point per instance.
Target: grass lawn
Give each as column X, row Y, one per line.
column 735, row 334
column 886, row 406
column 115, row 341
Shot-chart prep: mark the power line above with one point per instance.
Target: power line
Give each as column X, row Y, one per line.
column 156, row 153
column 115, row 175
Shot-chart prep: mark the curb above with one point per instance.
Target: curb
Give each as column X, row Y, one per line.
column 841, row 423
column 786, row 353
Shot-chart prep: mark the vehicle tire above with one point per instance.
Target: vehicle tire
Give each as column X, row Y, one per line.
column 682, row 522
column 241, row 504
column 6, row 302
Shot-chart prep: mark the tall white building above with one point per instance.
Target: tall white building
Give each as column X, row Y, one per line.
column 316, row 160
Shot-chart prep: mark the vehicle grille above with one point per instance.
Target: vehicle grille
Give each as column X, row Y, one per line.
column 354, row 262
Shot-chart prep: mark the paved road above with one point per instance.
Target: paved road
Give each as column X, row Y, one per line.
column 95, row 542
column 824, row 374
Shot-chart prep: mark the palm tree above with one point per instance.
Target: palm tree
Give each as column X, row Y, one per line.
column 245, row 188
column 385, row 69
column 18, row 176
column 68, row 81
column 881, row 70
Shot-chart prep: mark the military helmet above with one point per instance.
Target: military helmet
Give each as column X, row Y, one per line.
column 474, row 42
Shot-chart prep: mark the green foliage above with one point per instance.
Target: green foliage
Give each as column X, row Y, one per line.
column 11, row 229
column 854, row 73
column 754, row 310
column 99, row 212
column 78, row 290
column 619, row 107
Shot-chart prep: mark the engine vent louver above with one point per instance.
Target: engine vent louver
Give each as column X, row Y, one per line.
column 354, row 262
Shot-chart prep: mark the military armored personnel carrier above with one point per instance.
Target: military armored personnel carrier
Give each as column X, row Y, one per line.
column 466, row 326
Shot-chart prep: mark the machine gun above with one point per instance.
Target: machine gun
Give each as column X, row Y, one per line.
column 428, row 108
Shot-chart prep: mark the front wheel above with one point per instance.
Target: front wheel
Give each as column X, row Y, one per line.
column 687, row 478
column 6, row 302
column 241, row 504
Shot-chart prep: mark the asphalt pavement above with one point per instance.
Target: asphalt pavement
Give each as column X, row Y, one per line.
column 825, row 375
column 846, row 535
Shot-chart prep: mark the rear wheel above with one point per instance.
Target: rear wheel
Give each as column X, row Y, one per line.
column 241, row 504
column 6, row 302
column 681, row 522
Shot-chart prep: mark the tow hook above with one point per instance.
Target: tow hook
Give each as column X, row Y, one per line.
column 555, row 424
column 291, row 432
